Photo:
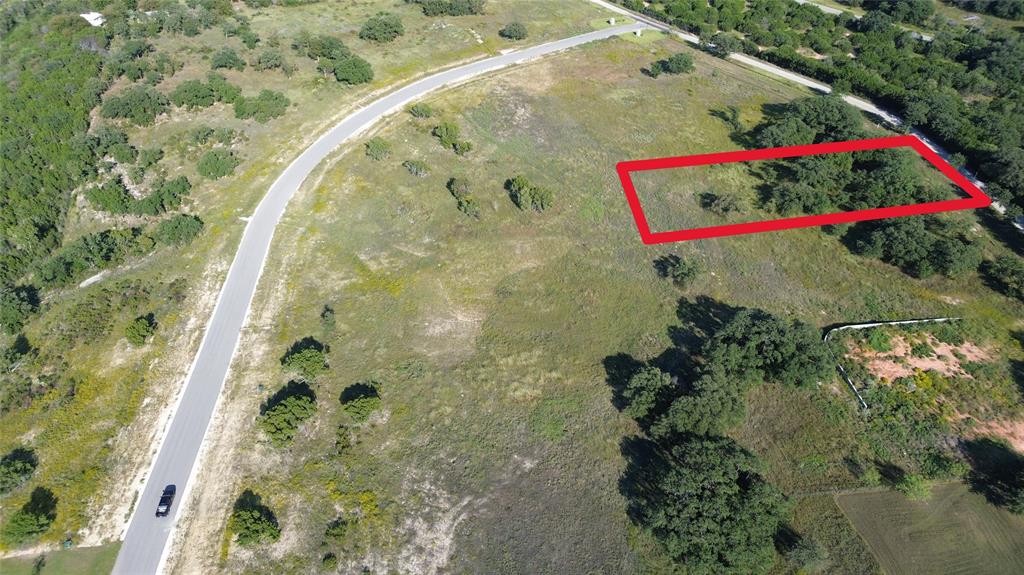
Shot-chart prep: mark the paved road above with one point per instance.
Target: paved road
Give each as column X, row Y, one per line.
column 146, row 543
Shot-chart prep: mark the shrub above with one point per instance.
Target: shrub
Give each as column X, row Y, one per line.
column 353, row 70
column 223, row 90
column 417, row 168
column 451, row 7
column 448, row 134
column 269, row 59
column 123, row 153
column 421, row 111
column 525, row 195
column 383, row 27
column 285, row 411
column 139, row 104
column 360, row 400
column 675, row 64
column 111, row 197
column 178, row 230
column 251, row 521
column 265, row 107
column 462, row 147
column 513, row 31
column 193, row 94
column 680, row 271
column 459, row 189
column 16, row 467
column 330, row 562
column 227, row 58
column 307, row 357
column 378, row 149
column 139, row 330
column 216, row 164
column 721, row 204
column 914, row 486
column 337, row 529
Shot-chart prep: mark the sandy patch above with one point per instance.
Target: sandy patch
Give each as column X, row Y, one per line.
column 945, row 358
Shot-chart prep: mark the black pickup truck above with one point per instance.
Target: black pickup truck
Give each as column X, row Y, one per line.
column 166, row 500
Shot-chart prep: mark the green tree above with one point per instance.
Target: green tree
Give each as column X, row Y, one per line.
column 140, row 329
column 264, row 107
column 514, row 31
column 307, row 357
column 676, row 64
column 227, row 58
column 382, row 27
column 1007, row 274
column 466, row 203
column 269, row 59
column 17, row 304
column 178, row 230
column 360, row 400
column 914, row 486
column 31, row 520
column 353, row 70
column 712, row 510
column 139, row 104
column 193, row 94
column 251, row 521
column 525, row 195
column 217, row 163
column 283, row 413
column 680, row 271
column 16, row 467
column 648, row 393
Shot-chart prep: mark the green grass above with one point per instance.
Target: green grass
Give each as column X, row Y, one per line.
column 954, row 532
column 488, row 335
column 81, row 561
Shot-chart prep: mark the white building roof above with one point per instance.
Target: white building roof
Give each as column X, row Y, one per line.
column 94, row 18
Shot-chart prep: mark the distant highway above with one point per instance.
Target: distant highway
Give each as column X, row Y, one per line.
column 145, row 545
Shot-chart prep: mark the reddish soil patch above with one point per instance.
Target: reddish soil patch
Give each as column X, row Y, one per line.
column 899, row 362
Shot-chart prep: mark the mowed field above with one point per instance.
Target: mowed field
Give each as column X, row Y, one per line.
column 498, row 448
column 82, row 561
column 955, row 532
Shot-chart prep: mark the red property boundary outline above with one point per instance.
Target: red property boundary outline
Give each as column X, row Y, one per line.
column 976, row 199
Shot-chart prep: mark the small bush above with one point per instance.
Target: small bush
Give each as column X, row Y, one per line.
column 139, row 330
column 675, row 64
column 417, row 168
column 680, row 271
column 264, row 107
column 448, row 134
column 381, row 28
column 378, row 149
column 914, row 486
column 193, row 94
column 216, row 164
column 459, row 189
column 269, row 59
column 421, row 111
column 513, row 31
column 353, row 70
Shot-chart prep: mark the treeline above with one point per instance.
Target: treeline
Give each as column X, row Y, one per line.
column 698, row 491
column 450, row 7
column 962, row 88
column 1009, row 9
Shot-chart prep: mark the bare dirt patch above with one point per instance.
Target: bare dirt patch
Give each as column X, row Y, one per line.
column 900, row 362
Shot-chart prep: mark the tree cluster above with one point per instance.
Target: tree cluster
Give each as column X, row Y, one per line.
column 264, row 107
column 676, row 64
column 139, row 104
column 702, row 495
column 450, row 7
column 217, row 163
column 382, row 28
column 114, row 197
column 526, row 195
column 334, row 57
column 467, row 204
column 449, row 135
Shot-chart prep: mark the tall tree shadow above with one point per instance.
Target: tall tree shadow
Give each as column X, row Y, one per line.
column 618, row 369
column 645, row 463
column 700, row 318
column 997, row 471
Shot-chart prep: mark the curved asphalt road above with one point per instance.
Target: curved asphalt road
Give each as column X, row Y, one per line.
column 145, row 548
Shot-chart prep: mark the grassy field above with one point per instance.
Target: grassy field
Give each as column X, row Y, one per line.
column 84, row 422
column 498, row 447
column 83, row 561
column 954, row 532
